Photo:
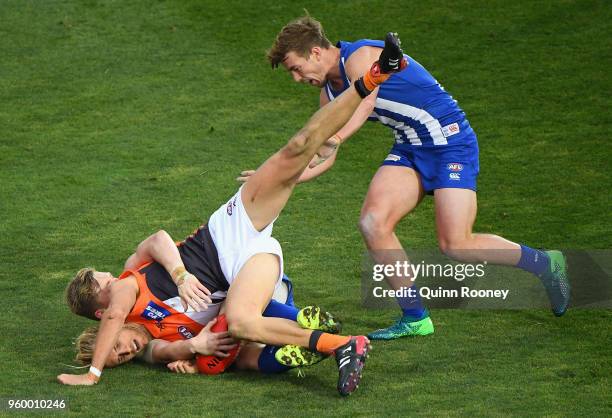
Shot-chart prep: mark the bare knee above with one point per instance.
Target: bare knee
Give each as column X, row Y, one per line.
column 454, row 247
column 296, row 145
column 243, row 326
column 374, row 226
column 301, row 142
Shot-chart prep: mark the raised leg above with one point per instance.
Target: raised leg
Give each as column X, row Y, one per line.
column 267, row 191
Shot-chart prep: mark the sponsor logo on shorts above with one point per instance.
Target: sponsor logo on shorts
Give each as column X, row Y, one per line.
column 455, row 166
column 185, row 332
column 454, row 176
column 154, row 312
column 450, row 130
column 393, row 157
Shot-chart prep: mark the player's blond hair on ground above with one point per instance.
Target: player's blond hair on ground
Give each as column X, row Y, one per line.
column 81, row 293
column 85, row 343
column 299, row 36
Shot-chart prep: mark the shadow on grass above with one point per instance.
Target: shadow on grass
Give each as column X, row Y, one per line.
column 310, row 381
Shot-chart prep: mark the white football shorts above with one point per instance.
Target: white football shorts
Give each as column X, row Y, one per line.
column 237, row 240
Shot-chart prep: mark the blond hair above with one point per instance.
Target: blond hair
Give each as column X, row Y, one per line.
column 85, row 343
column 82, row 292
column 299, row 36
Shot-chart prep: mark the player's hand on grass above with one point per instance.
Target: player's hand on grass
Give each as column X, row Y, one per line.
column 183, row 367
column 245, row 175
column 86, row 379
column 193, row 293
column 211, row 343
column 325, row 151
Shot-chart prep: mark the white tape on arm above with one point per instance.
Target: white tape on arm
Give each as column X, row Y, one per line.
column 95, row 371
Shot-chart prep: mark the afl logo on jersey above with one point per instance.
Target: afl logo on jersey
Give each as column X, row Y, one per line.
column 185, row 332
column 455, row 166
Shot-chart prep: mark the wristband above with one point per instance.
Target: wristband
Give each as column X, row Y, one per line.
column 338, row 138
column 96, row 372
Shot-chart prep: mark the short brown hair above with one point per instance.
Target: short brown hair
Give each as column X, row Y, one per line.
column 82, row 293
column 299, row 36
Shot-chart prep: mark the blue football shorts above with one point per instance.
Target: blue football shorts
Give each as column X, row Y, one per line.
column 442, row 166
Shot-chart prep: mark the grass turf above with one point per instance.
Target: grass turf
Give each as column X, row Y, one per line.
column 120, row 118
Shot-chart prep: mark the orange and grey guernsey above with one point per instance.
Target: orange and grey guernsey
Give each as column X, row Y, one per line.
column 159, row 318
column 158, row 306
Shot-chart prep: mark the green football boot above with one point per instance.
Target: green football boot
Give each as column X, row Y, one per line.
column 296, row 356
column 556, row 283
column 404, row 327
column 311, row 317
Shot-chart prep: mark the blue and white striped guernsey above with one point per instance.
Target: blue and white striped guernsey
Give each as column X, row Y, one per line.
column 412, row 103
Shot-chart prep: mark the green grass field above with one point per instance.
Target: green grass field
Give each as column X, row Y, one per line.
column 120, row 118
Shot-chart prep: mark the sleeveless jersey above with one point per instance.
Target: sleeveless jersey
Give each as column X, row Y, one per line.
column 199, row 254
column 158, row 306
column 412, row 103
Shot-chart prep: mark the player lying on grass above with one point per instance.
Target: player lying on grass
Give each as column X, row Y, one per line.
column 154, row 311
column 245, row 260
column 158, row 310
column 134, row 341
column 435, row 152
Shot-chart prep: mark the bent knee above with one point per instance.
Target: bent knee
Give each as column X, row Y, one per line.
column 302, row 141
column 242, row 326
column 374, row 224
column 296, row 145
column 453, row 247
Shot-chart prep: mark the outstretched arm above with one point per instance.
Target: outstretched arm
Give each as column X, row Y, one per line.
column 161, row 248
column 321, row 162
column 358, row 63
column 360, row 116
column 317, row 167
column 206, row 343
column 123, row 296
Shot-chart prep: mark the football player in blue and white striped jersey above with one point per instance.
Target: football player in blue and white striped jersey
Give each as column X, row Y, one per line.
column 435, row 152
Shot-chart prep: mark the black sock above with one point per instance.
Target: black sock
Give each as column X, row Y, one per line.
column 362, row 90
column 314, row 339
